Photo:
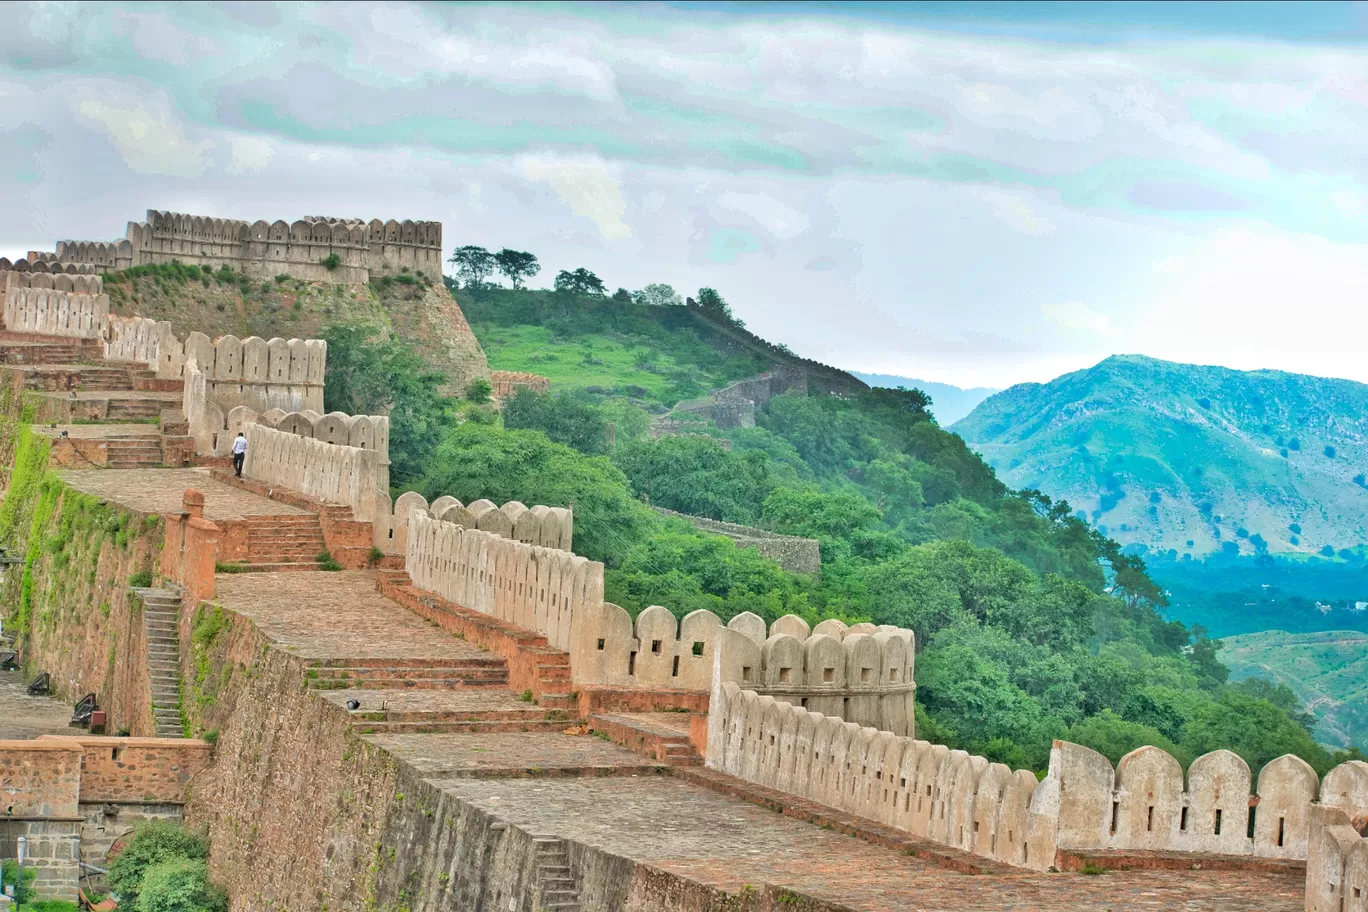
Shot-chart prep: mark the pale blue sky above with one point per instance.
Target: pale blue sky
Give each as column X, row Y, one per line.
column 976, row 194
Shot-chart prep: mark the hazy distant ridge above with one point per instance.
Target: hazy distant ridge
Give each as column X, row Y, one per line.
column 1186, row 457
column 949, row 403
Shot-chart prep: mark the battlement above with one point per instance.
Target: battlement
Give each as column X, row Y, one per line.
column 25, row 266
column 314, row 248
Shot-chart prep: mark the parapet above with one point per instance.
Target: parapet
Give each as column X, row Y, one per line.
column 795, row 554
column 507, row 383
column 547, row 527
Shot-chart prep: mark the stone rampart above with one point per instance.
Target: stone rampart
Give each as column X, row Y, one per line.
column 26, row 266
column 984, row 808
column 333, row 473
column 541, row 589
column 1337, row 860
column 49, row 312
column 316, row 248
column 79, row 283
column 136, row 770
column 861, row 674
column 506, row 383
column 795, row 554
column 547, row 527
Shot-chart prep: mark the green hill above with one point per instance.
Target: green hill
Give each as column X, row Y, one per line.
column 1189, row 459
column 1327, row 671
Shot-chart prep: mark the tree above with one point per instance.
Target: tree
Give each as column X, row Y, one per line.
column 564, row 417
column 658, row 295
column 180, row 885
column 517, row 265
column 478, row 391
column 154, row 842
column 712, row 302
column 581, row 281
column 474, row 264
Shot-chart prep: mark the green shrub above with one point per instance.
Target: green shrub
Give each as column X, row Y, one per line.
column 180, row 885
column 141, row 580
column 327, row 562
column 478, row 391
column 9, row 876
column 153, row 842
column 331, row 262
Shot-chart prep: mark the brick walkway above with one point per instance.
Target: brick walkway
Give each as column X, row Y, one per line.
column 22, row 716
column 321, row 615
column 728, row 844
column 514, row 754
column 160, row 490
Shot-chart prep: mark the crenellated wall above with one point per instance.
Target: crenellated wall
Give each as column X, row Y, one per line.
column 358, row 249
column 1083, row 804
column 541, row 589
column 49, row 312
column 330, row 472
column 547, row 527
column 34, row 265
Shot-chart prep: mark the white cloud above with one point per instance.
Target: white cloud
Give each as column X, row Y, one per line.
column 250, row 154
column 1075, row 315
column 588, row 185
column 1016, row 212
column 784, row 222
column 149, row 143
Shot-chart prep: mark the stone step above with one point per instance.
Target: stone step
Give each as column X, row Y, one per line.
column 464, row 672
column 424, row 684
column 246, row 567
column 463, row 728
column 351, row 664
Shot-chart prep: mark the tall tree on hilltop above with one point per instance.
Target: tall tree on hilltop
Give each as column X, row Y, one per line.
column 517, row 265
column 581, row 281
column 474, row 264
column 712, row 302
column 658, row 295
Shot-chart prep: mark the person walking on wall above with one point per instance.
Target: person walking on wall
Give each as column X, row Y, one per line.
column 239, row 453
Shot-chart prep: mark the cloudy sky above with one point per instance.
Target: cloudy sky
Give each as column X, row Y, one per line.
column 978, row 194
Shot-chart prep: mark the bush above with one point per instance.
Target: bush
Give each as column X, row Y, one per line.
column 331, row 262
column 180, row 885
column 141, row 580
column 478, row 391
column 154, row 842
column 9, row 876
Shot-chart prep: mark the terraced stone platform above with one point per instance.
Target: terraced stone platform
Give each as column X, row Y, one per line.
column 716, row 840
column 22, row 716
column 156, row 491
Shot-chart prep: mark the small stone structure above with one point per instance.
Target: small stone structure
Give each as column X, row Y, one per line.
column 506, row 383
column 1337, row 853
column 73, row 797
column 793, row 553
column 315, row 248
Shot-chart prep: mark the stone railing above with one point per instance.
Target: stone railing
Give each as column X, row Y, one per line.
column 548, row 527
column 328, row 472
column 49, row 312
column 861, row 674
column 1337, row 853
column 966, row 802
column 541, row 589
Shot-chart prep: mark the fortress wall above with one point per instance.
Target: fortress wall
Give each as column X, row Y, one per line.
column 968, row 803
column 507, row 383
column 81, row 283
column 546, row 527
column 261, row 249
column 332, row 473
column 795, row 554
column 541, row 589
column 36, row 265
column 50, row 312
column 1337, row 861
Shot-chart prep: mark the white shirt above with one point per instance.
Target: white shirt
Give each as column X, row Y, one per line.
column 239, row 445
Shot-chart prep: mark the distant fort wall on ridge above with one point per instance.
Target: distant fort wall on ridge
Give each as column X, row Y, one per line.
column 314, row 248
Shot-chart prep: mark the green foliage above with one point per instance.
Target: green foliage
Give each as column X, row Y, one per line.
column 579, row 282
column 568, row 418
column 473, row 264
column 10, row 875
column 326, row 561
column 154, row 843
column 371, row 372
column 516, row 265
column 478, row 391
column 141, row 580
column 180, row 885
column 475, row 461
column 331, row 262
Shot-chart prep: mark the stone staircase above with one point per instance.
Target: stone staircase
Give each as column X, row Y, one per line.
column 161, row 612
column 556, row 887
column 278, row 541
column 133, row 452
column 20, row 352
column 134, row 408
column 407, row 674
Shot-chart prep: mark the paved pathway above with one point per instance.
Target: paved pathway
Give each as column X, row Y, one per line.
column 160, row 490
column 22, row 716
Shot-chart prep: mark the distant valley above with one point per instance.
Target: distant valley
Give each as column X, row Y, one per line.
column 948, row 403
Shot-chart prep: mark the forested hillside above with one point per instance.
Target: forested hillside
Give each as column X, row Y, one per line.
column 1032, row 626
